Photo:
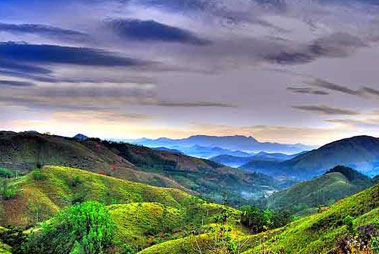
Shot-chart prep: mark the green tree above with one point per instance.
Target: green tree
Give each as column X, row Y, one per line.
column 85, row 228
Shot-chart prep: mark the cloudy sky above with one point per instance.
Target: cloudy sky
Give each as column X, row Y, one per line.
column 279, row 70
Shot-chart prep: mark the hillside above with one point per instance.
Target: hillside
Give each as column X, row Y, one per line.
column 143, row 214
column 334, row 185
column 361, row 153
column 238, row 161
column 318, row 233
column 26, row 151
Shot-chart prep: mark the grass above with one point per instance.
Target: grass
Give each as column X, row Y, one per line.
column 313, row 234
column 4, row 249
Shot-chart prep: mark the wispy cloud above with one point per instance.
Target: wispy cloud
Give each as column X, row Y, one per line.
column 54, row 54
column 15, row 83
column 306, row 90
column 151, row 30
column 326, row 110
column 44, row 30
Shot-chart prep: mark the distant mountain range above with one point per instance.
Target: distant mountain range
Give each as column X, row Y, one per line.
column 360, row 152
column 237, row 161
column 210, row 146
column 334, row 185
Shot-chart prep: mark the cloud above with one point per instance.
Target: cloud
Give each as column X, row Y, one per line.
column 361, row 92
column 150, row 30
column 334, row 45
column 334, row 87
column 371, row 91
column 306, row 90
column 15, row 83
column 43, row 30
column 326, row 110
column 191, row 104
column 22, row 67
column 53, row 54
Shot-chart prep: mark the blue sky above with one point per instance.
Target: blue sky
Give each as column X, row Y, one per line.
column 280, row 70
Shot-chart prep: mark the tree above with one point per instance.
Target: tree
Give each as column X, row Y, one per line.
column 85, row 228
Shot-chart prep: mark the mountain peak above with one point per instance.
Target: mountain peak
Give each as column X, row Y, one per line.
column 80, row 137
column 349, row 173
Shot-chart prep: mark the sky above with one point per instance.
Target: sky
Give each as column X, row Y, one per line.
column 289, row 71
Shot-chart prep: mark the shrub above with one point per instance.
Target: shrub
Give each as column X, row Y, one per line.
column 6, row 173
column 8, row 192
column 37, row 175
column 84, row 228
column 76, row 181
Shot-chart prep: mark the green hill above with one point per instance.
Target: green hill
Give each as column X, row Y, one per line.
column 144, row 215
column 336, row 184
column 27, row 151
column 317, row 233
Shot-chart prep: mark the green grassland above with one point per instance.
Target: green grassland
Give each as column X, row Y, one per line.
column 334, row 185
column 317, row 233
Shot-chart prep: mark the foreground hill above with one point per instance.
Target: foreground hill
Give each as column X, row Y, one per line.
column 26, row 151
column 317, row 233
column 142, row 214
column 335, row 184
column 361, row 152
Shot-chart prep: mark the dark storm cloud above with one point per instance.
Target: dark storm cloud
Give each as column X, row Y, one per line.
column 325, row 110
column 15, row 83
column 306, row 90
column 150, row 30
column 43, row 30
column 53, row 54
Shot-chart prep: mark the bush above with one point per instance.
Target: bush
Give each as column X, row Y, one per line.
column 8, row 192
column 37, row 175
column 84, row 228
column 258, row 220
column 76, row 181
column 6, row 173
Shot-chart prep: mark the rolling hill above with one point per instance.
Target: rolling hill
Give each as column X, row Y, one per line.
column 334, row 185
column 318, row 233
column 26, row 151
column 360, row 152
column 238, row 161
column 140, row 212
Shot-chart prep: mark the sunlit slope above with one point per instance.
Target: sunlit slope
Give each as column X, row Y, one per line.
column 39, row 199
column 336, row 184
column 26, row 151
column 312, row 234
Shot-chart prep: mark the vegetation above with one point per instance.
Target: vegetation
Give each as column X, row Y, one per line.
column 8, row 191
column 6, row 173
column 259, row 220
column 85, row 228
column 306, row 197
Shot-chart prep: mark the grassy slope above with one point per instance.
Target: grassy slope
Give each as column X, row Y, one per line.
column 56, row 191
column 332, row 186
column 25, row 151
column 144, row 215
column 313, row 234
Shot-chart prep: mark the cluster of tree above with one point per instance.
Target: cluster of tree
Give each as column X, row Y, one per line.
column 259, row 220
